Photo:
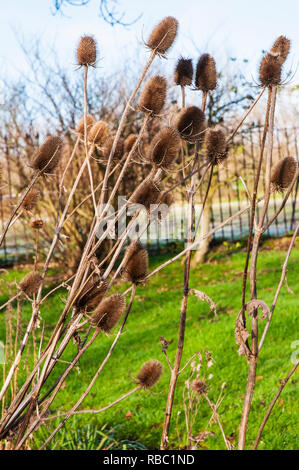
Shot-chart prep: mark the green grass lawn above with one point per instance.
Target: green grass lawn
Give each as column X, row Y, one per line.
column 155, row 313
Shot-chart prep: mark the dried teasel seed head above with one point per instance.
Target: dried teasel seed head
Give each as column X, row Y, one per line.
column 164, row 203
column 283, row 173
column 107, row 146
column 108, row 313
column 87, row 51
column 163, row 35
column 164, row 148
column 129, row 142
column 37, row 224
column 183, row 73
column 47, row 157
column 281, row 47
column 270, row 70
column 99, row 133
column 147, row 193
column 206, row 75
column 89, row 124
column 31, row 200
column 199, row 386
column 153, row 95
column 150, row 373
column 190, row 123
column 30, row 283
column 135, row 265
column 92, row 294
column 215, row 145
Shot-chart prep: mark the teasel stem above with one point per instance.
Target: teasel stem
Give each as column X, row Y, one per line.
column 86, row 392
column 36, row 249
column 216, row 415
column 253, row 357
column 283, row 383
column 15, row 210
column 183, row 96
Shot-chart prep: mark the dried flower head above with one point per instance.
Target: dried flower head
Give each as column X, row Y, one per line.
column 92, row 294
column 163, row 35
column 89, row 124
column 215, row 145
column 31, row 200
column 199, row 386
column 30, row 283
column 37, row 224
column 108, row 313
column 281, row 47
column 164, row 203
column 87, row 51
column 183, row 73
column 107, row 147
column 147, row 193
column 150, row 373
column 135, row 263
column 164, row 148
column 153, row 95
column 47, row 157
column 99, row 133
column 190, row 123
column 270, row 70
column 129, row 142
column 206, row 75
column 283, row 173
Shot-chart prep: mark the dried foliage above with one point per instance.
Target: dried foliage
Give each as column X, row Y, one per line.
column 199, row 386
column 89, row 124
column 99, row 133
column 31, row 200
column 147, row 193
column 30, row 283
column 37, row 224
column 92, row 294
column 149, row 374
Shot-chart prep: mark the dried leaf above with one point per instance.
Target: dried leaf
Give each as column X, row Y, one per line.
column 242, row 335
column 255, row 304
column 204, row 297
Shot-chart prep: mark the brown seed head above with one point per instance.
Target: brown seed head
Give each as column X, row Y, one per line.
column 215, row 145
column 164, row 202
column 37, row 224
column 283, row 173
column 163, row 35
column 270, row 70
column 108, row 313
column 164, row 148
column 89, row 124
column 183, row 73
column 147, row 193
column 149, row 374
column 87, row 51
column 199, row 386
column 47, row 157
column 92, row 294
column 106, row 149
column 129, row 142
column 281, row 47
column 206, row 75
column 135, row 263
column 190, row 123
column 153, row 95
column 30, row 283
column 31, row 200
column 99, row 133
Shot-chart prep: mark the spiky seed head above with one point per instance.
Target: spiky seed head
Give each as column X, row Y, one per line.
column 89, row 124
column 37, row 224
column 190, row 123
column 166, row 198
column 199, row 386
column 107, row 146
column 163, row 35
column 48, row 156
column 99, row 133
column 206, row 75
column 30, row 283
column 270, row 70
column 283, row 173
column 183, row 74
column 108, row 313
column 281, row 47
column 87, row 51
column 147, row 193
column 92, row 294
column 215, row 145
column 164, row 203
column 135, row 265
column 164, row 148
column 153, row 95
column 31, row 200
column 150, row 373
column 129, row 142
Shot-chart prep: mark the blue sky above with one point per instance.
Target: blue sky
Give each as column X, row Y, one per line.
column 236, row 28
